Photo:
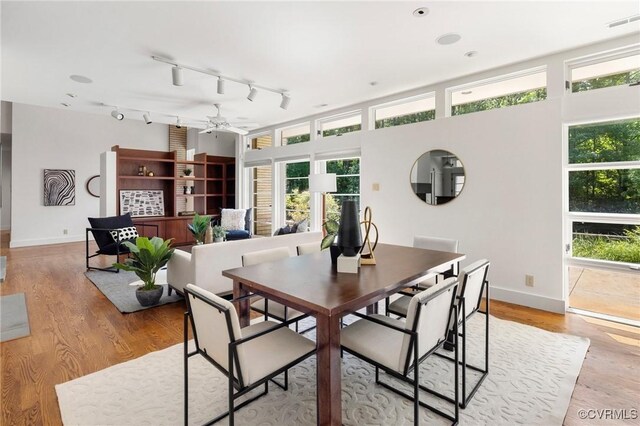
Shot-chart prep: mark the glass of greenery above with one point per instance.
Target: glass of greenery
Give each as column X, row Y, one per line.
column 198, row 227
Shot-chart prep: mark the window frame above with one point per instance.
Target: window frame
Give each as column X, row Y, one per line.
column 280, row 130
column 321, row 121
column 594, row 59
column 491, row 80
column 373, row 109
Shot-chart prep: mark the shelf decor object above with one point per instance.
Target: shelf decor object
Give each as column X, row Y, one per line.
column 349, row 236
column 142, row 203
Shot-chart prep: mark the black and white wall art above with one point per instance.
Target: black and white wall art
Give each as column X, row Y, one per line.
column 59, row 187
column 142, row 203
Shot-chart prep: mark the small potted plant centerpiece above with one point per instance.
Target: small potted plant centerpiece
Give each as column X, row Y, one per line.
column 187, row 172
column 331, row 232
column 147, row 257
column 198, row 227
column 218, row 234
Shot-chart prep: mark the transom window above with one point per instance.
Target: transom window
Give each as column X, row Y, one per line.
column 405, row 111
column 296, row 134
column 336, row 126
column 608, row 71
column 521, row 88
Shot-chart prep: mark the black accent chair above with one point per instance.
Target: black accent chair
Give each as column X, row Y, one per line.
column 101, row 228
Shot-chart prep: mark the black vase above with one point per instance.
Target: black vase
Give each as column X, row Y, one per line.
column 349, row 236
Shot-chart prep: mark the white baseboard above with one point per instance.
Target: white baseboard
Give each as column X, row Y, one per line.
column 44, row 241
column 526, row 299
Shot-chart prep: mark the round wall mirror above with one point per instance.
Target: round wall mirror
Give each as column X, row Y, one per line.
column 437, row 177
column 93, row 186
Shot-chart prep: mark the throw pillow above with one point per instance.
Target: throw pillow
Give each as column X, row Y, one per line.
column 124, row 233
column 285, row 230
column 303, row 225
column 233, row 219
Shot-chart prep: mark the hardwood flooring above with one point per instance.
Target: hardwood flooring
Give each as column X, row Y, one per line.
column 75, row 331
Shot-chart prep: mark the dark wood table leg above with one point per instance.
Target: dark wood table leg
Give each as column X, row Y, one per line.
column 329, row 371
column 243, row 306
column 372, row 309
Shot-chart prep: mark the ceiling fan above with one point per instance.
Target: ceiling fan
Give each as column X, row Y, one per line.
column 220, row 124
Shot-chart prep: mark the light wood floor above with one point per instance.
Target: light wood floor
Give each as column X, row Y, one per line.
column 75, row 331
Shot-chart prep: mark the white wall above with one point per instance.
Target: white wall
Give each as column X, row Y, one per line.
column 507, row 212
column 48, row 138
column 217, row 143
column 5, row 114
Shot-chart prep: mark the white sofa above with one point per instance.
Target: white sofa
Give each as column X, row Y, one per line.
column 204, row 265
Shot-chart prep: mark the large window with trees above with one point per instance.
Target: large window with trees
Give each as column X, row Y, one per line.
column 521, row 88
column 604, row 190
column 405, row 111
column 347, row 185
column 606, row 71
column 296, row 182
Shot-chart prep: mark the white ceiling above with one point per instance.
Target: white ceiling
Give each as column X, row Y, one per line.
column 320, row 52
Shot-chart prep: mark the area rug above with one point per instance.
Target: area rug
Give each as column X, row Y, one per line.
column 3, row 268
column 532, row 376
column 117, row 289
column 14, row 320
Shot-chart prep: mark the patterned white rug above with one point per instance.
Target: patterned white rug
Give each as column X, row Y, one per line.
column 532, row 376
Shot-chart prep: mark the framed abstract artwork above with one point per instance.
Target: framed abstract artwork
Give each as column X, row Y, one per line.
column 59, row 187
column 142, row 202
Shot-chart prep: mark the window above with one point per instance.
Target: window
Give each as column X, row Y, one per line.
column 261, row 199
column 262, row 141
column 523, row 88
column 603, row 72
column 347, row 185
column 604, row 190
column 405, row 111
column 337, row 126
column 296, row 134
column 297, row 191
column 607, row 180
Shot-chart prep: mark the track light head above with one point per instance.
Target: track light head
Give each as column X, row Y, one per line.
column 117, row 114
column 147, row 118
column 220, row 86
column 177, row 75
column 284, row 104
column 253, row 92
column 178, row 123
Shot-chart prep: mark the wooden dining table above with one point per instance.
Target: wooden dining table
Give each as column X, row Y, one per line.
column 311, row 284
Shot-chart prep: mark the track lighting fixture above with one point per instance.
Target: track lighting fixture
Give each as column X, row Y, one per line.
column 117, row 114
column 147, row 118
column 178, row 123
column 284, row 104
column 178, row 80
column 177, row 75
column 253, row 92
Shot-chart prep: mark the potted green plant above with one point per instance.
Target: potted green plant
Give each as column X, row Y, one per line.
column 187, row 172
column 218, row 234
column 198, row 227
column 331, row 232
column 146, row 259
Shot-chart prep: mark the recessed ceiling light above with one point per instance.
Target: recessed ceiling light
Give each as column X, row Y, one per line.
column 80, row 79
column 373, row 83
column 64, row 104
column 467, row 92
column 448, row 39
column 72, row 95
column 321, row 105
column 420, row 12
column 471, row 54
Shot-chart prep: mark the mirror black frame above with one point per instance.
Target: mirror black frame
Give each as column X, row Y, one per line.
column 423, row 191
column 88, row 186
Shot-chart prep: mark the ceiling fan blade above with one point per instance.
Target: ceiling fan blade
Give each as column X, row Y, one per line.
column 207, row 130
column 236, row 130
